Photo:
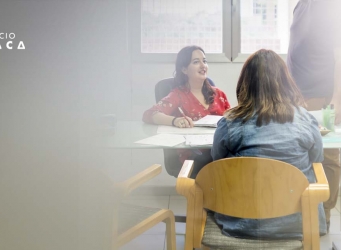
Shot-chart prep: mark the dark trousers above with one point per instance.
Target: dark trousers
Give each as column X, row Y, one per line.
column 173, row 164
column 201, row 161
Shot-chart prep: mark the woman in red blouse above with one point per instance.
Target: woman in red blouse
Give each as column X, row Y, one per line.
column 193, row 94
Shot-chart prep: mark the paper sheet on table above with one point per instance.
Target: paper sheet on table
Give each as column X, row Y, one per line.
column 168, row 140
column 162, row 129
column 198, row 140
column 208, row 121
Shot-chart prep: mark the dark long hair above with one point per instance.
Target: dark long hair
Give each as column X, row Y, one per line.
column 266, row 88
column 183, row 59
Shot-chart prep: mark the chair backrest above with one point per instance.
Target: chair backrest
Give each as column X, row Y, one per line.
column 163, row 87
column 250, row 187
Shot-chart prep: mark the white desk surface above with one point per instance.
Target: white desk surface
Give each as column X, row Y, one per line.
column 127, row 132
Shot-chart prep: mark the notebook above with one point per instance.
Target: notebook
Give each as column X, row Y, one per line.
column 197, row 140
column 208, row 121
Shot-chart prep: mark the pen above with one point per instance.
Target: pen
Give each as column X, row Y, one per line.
column 183, row 114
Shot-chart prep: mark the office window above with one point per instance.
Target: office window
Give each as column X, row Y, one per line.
column 228, row 30
column 265, row 24
column 169, row 25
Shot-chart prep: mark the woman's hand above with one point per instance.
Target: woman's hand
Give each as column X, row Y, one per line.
column 182, row 122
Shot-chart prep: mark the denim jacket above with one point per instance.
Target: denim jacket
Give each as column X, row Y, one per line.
column 298, row 143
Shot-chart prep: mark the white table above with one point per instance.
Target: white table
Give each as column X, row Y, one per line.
column 128, row 132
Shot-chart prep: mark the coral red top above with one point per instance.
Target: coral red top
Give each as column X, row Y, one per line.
column 183, row 98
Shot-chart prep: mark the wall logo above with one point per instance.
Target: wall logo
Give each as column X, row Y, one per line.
column 7, row 42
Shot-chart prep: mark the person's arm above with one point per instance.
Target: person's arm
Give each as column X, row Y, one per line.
column 162, row 113
column 163, row 119
column 336, row 100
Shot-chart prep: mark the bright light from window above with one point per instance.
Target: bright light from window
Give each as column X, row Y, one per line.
column 266, row 24
column 169, row 25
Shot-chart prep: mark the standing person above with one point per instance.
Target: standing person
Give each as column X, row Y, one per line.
column 195, row 96
column 314, row 60
column 269, row 122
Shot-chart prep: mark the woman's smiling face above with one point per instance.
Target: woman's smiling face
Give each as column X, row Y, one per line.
column 197, row 68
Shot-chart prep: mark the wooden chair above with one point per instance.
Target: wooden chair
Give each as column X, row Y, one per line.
column 131, row 221
column 255, row 188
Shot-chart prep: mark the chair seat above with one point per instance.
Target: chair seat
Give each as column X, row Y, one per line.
column 131, row 215
column 214, row 239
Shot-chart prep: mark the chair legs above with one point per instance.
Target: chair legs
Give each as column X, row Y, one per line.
column 170, row 231
column 164, row 215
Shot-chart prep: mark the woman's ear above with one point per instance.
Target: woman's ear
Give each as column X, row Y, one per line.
column 184, row 70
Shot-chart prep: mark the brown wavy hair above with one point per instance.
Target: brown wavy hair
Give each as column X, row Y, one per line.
column 266, row 88
column 183, row 59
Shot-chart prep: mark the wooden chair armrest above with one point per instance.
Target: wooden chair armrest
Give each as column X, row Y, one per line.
column 184, row 184
column 320, row 189
column 314, row 194
column 319, row 173
column 137, row 180
column 186, row 169
column 195, row 215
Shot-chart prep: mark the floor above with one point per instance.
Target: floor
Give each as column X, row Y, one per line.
column 154, row 239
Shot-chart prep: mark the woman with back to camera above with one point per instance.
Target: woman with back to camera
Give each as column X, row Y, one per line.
column 270, row 122
column 194, row 95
